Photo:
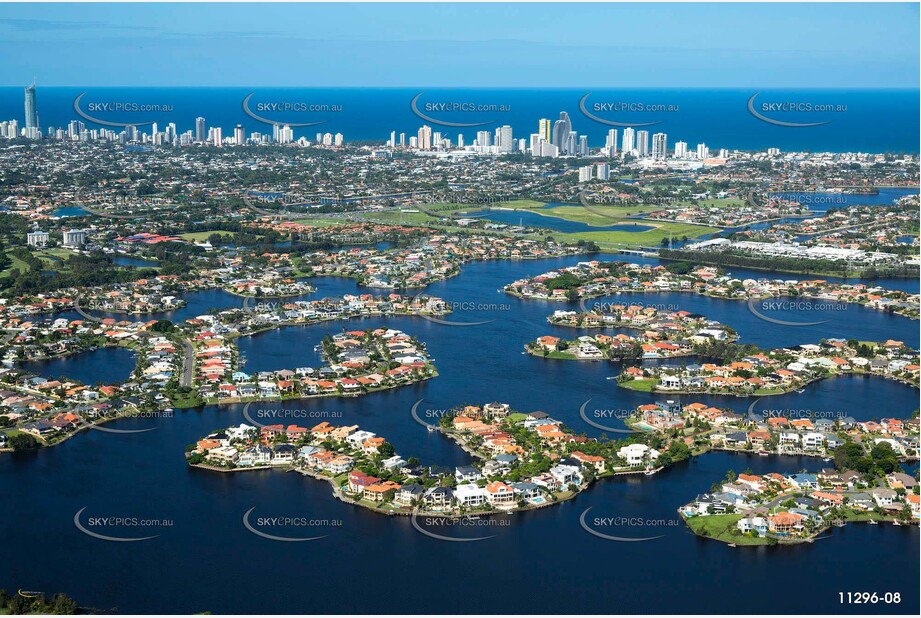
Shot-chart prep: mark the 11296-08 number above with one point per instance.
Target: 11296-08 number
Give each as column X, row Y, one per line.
column 870, row 598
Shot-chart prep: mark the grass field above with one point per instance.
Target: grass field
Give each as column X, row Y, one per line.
column 722, row 528
column 649, row 238
column 320, row 222
column 202, row 236
column 14, row 264
column 643, row 386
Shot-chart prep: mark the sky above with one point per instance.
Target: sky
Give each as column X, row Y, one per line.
column 815, row 45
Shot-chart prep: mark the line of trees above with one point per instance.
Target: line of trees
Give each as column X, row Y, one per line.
column 18, row 604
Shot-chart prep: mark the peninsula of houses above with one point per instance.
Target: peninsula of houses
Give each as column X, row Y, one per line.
column 752, row 509
column 780, row 370
column 592, row 279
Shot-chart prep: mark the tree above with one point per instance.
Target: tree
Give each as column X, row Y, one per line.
column 163, row 326
column 23, row 442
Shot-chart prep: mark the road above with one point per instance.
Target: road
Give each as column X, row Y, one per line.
column 188, row 362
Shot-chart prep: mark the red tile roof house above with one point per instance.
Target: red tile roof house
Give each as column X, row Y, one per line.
column 358, row 481
column 500, row 494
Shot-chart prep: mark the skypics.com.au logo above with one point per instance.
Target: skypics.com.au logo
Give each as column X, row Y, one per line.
column 785, row 113
column 119, row 528
column 456, row 109
column 118, row 113
column 291, row 113
column 776, row 310
column 615, row 111
column 457, row 529
column 624, row 529
column 288, row 528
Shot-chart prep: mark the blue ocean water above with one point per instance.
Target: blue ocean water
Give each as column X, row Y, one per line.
column 862, row 120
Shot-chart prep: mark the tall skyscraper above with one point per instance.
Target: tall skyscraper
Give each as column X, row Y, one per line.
column 681, row 150
column 483, row 139
column 610, row 143
column 424, row 140
column 393, row 139
column 572, row 143
column 239, row 135
column 460, row 140
column 504, row 139
column 561, row 130
column 31, row 111
column 703, row 152
column 642, row 143
column 217, row 135
column 543, row 129
column 628, row 143
column 659, row 146
column 200, row 131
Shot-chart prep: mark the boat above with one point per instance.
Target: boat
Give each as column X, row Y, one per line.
column 896, row 522
column 649, row 472
column 732, row 545
column 763, row 453
column 431, row 428
column 827, row 459
column 611, row 378
column 802, row 390
column 872, row 523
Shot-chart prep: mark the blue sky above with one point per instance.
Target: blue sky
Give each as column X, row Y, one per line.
column 489, row 45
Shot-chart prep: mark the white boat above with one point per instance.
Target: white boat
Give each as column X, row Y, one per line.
column 896, row 522
column 763, row 453
column 872, row 523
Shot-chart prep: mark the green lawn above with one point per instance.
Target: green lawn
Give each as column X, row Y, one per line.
column 643, row 386
column 53, row 255
column 722, row 528
column 200, row 236
column 648, row 238
column 769, row 391
column 406, row 218
column 320, row 222
column 14, row 264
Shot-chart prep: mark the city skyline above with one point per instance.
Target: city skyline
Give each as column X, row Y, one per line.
column 563, row 139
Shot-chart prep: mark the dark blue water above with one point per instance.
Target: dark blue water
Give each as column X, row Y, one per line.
column 533, row 219
column 821, row 202
column 70, row 211
column 476, row 364
column 718, row 117
column 136, row 262
column 100, row 366
column 206, row 510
